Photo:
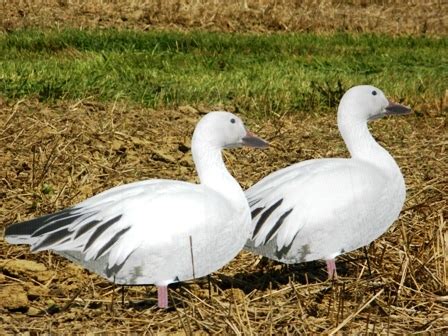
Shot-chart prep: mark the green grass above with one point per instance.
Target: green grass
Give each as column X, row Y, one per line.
column 259, row 74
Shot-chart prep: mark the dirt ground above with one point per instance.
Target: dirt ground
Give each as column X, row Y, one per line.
column 56, row 155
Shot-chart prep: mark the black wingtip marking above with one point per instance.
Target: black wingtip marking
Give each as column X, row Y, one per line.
column 264, row 216
column 29, row 227
column 277, row 225
column 51, row 239
column 21, row 229
column 111, row 242
column 99, row 230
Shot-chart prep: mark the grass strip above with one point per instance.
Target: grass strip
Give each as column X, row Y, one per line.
column 260, row 74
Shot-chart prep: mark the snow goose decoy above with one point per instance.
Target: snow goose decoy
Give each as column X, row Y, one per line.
column 322, row 208
column 156, row 231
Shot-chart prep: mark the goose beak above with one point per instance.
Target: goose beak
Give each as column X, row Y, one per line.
column 396, row 109
column 391, row 109
column 251, row 140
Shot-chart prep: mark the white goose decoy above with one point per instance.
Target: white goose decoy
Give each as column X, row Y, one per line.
column 322, row 208
column 156, row 231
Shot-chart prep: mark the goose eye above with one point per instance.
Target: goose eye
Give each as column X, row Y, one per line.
column 374, row 92
column 232, row 120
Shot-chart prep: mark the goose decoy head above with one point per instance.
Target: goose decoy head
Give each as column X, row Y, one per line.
column 226, row 130
column 369, row 103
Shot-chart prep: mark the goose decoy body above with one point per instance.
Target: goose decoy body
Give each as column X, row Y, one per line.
column 156, row 231
column 322, row 208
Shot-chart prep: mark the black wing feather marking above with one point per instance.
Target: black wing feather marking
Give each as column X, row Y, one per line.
column 57, row 216
column 115, row 268
column 86, row 227
column 111, row 242
column 51, row 239
column 277, row 225
column 30, row 226
column 255, row 212
column 283, row 251
column 99, row 230
column 264, row 216
column 55, row 224
column 253, row 202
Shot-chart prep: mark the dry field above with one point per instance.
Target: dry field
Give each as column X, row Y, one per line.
column 56, row 155
column 381, row 16
column 53, row 155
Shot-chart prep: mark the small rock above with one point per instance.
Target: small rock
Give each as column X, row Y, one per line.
column 33, row 311
column 37, row 291
column 13, row 297
column 27, row 268
column 23, row 266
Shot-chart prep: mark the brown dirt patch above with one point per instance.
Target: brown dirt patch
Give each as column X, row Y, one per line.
column 56, row 155
column 391, row 17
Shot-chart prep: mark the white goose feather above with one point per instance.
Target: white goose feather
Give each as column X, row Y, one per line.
column 156, row 231
column 319, row 209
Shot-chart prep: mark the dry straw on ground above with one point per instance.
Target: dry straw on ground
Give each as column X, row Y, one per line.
column 380, row 16
column 56, row 155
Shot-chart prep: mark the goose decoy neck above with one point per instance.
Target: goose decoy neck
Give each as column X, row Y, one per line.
column 360, row 143
column 213, row 172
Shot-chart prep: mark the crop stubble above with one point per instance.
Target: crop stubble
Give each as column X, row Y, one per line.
column 56, row 154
